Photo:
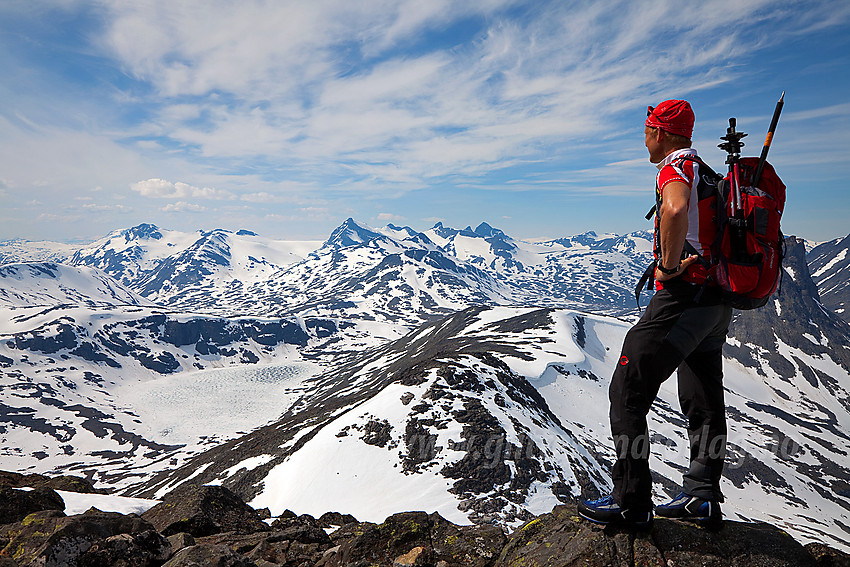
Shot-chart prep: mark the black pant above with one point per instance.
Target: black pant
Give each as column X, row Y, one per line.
column 674, row 332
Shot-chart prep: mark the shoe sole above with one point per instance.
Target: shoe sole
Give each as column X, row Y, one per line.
column 706, row 522
column 621, row 523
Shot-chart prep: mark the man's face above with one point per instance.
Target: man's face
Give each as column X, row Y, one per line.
column 653, row 144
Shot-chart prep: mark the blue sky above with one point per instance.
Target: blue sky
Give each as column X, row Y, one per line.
column 286, row 118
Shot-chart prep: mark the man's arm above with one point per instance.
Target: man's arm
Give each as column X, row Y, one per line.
column 674, row 229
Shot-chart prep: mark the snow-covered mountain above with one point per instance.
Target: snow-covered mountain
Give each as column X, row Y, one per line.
column 589, row 271
column 462, row 371
column 175, row 268
column 388, row 276
column 45, row 284
column 19, row 250
column 423, row 274
column 830, row 267
column 129, row 255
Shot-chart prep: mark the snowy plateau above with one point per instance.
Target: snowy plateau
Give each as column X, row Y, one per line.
column 455, row 371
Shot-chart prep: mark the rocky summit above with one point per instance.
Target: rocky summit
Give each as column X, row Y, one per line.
column 210, row 526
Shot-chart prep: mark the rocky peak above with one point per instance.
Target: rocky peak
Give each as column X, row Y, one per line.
column 442, row 231
column 351, row 233
column 830, row 266
column 488, row 231
column 141, row 232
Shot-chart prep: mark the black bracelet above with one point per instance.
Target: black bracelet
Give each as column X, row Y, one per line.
column 668, row 271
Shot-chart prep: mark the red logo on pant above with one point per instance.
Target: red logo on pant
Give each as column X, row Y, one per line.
column 624, row 360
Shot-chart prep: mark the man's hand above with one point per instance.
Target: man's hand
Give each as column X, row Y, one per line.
column 662, row 277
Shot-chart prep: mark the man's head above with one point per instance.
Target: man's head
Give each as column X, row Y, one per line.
column 668, row 127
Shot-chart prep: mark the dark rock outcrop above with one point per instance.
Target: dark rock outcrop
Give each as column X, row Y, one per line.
column 830, row 266
column 416, row 538
column 15, row 505
column 208, row 555
column 235, row 537
column 825, row 556
column 203, row 511
column 51, row 538
column 181, row 540
column 127, row 550
column 562, row 536
column 67, row 483
column 329, row 519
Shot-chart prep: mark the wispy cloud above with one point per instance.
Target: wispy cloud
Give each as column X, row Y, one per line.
column 183, row 207
column 162, row 189
column 117, row 208
column 322, row 87
column 354, row 90
column 334, row 107
column 389, row 217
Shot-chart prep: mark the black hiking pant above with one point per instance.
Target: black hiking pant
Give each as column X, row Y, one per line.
column 674, row 332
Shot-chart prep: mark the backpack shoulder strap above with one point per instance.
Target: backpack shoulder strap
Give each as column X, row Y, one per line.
column 699, row 160
column 713, row 174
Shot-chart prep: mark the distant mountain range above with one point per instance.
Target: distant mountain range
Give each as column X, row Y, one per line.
column 360, row 272
column 461, row 371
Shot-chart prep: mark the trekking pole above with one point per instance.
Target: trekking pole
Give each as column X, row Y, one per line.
column 732, row 145
column 768, row 139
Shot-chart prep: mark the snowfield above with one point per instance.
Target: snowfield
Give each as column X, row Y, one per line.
column 214, row 403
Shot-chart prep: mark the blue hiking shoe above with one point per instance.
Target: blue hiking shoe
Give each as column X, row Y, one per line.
column 693, row 509
column 607, row 511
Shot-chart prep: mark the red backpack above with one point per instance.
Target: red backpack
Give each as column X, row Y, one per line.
column 745, row 259
column 749, row 248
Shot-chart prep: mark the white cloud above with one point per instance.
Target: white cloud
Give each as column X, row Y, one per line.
column 107, row 208
column 183, row 207
column 57, row 218
column 389, row 217
column 302, row 214
column 162, row 189
column 261, row 197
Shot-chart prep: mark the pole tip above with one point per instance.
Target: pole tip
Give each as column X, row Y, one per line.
column 782, row 98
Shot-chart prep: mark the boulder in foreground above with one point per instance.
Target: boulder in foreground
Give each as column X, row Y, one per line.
column 203, row 511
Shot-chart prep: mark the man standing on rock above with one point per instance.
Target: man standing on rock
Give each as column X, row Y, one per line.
column 683, row 327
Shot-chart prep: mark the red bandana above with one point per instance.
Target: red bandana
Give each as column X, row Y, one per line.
column 674, row 116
